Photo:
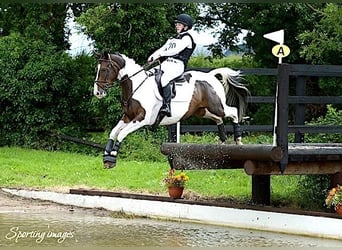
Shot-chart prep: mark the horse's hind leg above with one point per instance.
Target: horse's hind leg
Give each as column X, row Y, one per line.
column 233, row 114
column 220, row 125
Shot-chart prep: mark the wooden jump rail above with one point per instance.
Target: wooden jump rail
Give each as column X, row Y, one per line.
column 262, row 161
column 214, row 156
column 256, row 159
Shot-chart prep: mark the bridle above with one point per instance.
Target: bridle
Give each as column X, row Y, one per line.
column 105, row 84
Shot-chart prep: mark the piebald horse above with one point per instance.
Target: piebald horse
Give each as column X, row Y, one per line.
column 214, row 95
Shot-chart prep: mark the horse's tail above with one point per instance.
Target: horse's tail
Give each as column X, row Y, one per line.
column 236, row 92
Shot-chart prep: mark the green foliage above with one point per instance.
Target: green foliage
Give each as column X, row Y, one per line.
column 321, row 44
column 132, row 29
column 262, row 18
column 40, row 21
column 41, row 91
column 144, row 145
column 332, row 117
column 314, row 187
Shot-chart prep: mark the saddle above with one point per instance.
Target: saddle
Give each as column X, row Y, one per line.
column 185, row 77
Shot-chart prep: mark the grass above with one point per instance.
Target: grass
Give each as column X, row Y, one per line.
column 45, row 170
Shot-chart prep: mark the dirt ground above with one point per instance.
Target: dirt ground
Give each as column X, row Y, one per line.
column 9, row 202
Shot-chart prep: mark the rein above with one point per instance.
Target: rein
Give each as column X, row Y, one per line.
column 146, row 68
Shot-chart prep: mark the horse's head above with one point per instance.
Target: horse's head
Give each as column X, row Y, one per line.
column 107, row 72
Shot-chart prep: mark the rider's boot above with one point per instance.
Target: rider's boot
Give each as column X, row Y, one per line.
column 166, row 108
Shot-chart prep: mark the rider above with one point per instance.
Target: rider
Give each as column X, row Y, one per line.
column 177, row 51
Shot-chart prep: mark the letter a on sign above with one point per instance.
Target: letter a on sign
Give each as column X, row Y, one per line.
column 280, row 51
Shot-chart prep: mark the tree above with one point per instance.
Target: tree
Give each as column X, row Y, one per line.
column 135, row 30
column 323, row 42
column 260, row 19
column 42, row 89
column 40, row 21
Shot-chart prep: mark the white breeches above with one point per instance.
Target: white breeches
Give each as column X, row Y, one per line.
column 172, row 68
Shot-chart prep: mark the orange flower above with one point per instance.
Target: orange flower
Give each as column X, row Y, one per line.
column 173, row 179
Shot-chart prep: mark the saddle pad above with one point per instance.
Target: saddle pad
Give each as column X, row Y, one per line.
column 184, row 91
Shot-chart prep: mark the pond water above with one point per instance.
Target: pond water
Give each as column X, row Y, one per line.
column 84, row 229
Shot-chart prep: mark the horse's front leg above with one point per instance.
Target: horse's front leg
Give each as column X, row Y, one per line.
column 121, row 134
column 112, row 147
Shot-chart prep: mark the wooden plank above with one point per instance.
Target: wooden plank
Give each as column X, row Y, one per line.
column 299, row 99
column 263, row 128
column 315, row 152
column 230, row 151
column 292, row 168
column 296, row 70
column 316, row 70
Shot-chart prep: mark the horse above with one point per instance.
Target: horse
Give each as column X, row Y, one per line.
column 214, row 95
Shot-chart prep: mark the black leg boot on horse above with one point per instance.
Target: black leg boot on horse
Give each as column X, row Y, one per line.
column 237, row 133
column 111, row 152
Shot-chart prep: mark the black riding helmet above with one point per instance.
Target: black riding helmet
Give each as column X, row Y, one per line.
column 184, row 19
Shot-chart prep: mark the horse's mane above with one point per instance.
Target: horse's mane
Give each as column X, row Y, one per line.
column 131, row 66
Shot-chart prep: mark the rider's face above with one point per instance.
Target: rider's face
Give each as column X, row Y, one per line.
column 179, row 27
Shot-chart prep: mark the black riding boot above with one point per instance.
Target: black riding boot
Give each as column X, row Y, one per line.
column 166, row 108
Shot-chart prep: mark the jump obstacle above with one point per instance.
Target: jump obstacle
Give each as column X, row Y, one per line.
column 262, row 161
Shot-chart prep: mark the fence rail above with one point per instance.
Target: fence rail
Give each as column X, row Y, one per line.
column 299, row 72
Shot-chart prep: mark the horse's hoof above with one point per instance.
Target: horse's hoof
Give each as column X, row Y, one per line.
column 109, row 161
column 108, row 165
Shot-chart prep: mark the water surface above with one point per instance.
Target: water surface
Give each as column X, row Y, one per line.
column 85, row 229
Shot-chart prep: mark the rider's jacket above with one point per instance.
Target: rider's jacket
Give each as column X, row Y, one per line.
column 185, row 54
column 180, row 47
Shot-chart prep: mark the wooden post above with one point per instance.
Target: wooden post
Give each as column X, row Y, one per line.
column 335, row 179
column 261, row 193
column 283, row 112
column 300, row 107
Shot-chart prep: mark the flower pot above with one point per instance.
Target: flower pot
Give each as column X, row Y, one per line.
column 338, row 209
column 176, row 192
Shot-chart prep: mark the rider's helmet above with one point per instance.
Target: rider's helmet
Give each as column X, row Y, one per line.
column 184, row 19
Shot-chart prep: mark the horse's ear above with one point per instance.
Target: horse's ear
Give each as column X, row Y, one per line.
column 97, row 54
column 106, row 54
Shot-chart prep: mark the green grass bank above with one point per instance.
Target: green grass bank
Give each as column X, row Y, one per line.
column 60, row 171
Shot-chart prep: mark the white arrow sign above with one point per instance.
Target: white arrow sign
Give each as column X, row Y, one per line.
column 276, row 36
